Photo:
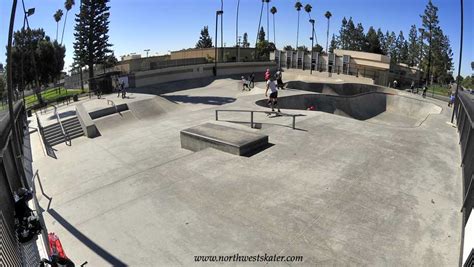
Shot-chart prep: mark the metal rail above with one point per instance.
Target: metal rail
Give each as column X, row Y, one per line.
column 113, row 104
column 259, row 111
column 67, row 139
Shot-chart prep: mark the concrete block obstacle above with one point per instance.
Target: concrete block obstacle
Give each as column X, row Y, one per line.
column 224, row 138
column 87, row 124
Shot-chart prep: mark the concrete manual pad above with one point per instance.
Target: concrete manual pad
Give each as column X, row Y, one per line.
column 227, row 139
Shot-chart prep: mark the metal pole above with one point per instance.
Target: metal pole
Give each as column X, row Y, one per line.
column 217, row 116
column 215, row 45
column 460, row 59
column 222, row 30
column 251, row 119
column 312, row 45
column 15, row 141
column 237, row 42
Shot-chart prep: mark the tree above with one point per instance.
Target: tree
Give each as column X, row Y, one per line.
column 440, row 55
column 259, row 24
column 57, row 17
column 328, row 15
column 274, row 11
column 298, row 7
column 245, row 42
column 205, row 41
column 318, row 48
column 308, row 9
column 333, row 44
column 373, row 42
column 43, row 59
column 413, row 47
column 343, row 39
column 67, row 5
column 264, row 48
column 302, row 48
column 288, row 48
column 92, row 40
column 399, row 46
column 383, row 43
column 261, row 35
column 351, row 36
column 360, row 42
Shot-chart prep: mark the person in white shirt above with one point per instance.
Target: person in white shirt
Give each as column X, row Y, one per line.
column 273, row 99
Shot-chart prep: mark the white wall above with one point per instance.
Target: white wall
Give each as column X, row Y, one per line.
column 468, row 237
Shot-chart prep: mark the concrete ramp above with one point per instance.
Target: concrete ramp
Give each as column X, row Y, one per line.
column 115, row 120
column 151, row 108
column 394, row 110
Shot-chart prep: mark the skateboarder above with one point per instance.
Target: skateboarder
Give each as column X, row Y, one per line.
column 245, row 84
column 273, row 99
column 279, row 76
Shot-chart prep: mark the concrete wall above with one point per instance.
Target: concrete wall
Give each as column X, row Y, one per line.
column 229, row 53
column 152, row 77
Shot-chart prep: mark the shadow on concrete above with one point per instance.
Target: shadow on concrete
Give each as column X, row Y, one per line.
column 175, row 86
column 63, row 115
column 86, row 241
column 258, row 150
column 209, row 100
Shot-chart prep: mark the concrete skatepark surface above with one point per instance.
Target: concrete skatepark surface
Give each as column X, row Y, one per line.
column 338, row 191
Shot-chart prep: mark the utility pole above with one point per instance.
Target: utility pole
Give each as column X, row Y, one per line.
column 460, row 59
column 312, row 45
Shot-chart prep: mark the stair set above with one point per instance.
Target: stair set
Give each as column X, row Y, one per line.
column 53, row 135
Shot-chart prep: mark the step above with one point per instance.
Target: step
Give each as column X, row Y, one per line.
column 231, row 140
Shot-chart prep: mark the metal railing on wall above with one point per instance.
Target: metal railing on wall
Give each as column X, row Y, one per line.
column 464, row 111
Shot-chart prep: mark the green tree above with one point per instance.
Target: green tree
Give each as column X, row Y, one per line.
column 67, row 5
column 399, row 46
column 57, row 17
column 413, row 47
column 245, row 42
column 373, row 42
column 360, row 41
column 261, row 35
column 205, row 41
column 298, row 7
column 333, row 44
column 343, row 39
column 382, row 40
column 92, row 34
column 288, row 48
column 318, row 48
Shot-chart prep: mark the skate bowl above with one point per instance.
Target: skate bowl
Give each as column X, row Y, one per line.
column 343, row 89
column 376, row 107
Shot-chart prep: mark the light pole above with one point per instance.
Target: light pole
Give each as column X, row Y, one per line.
column 237, row 37
column 312, row 45
column 222, row 30
column 460, row 59
column 422, row 31
column 238, row 49
column 147, row 50
column 218, row 13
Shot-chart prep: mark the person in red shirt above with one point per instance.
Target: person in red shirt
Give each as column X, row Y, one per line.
column 267, row 75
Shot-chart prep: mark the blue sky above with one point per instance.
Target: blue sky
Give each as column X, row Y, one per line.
column 163, row 25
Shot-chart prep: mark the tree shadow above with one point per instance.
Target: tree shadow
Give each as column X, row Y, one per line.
column 111, row 259
column 209, row 100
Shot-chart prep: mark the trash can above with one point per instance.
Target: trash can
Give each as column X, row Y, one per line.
column 75, row 98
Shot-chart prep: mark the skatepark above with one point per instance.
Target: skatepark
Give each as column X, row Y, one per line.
column 370, row 177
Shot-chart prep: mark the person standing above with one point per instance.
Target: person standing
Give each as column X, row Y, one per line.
column 279, row 79
column 412, row 87
column 273, row 99
column 267, row 75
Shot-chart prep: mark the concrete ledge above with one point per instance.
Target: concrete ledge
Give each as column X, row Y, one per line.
column 227, row 139
column 87, row 124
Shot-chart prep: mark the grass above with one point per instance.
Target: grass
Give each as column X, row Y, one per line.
column 439, row 90
column 50, row 95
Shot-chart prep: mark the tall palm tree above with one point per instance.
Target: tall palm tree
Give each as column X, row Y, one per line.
column 67, row 5
column 308, row 9
column 57, row 17
column 298, row 7
column 268, row 21
column 328, row 15
column 259, row 23
column 274, row 11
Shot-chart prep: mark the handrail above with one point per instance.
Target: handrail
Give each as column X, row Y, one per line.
column 259, row 111
column 67, row 139
column 113, row 104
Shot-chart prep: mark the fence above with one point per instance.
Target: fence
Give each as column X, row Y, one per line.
column 464, row 111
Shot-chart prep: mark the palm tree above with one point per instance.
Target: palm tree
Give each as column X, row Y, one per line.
column 328, row 15
column 259, row 23
column 274, row 11
column 268, row 21
column 308, row 9
column 57, row 17
column 298, row 7
column 67, row 5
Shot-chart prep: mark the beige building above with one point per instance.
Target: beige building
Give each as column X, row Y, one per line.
column 229, row 54
column 361, row 64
